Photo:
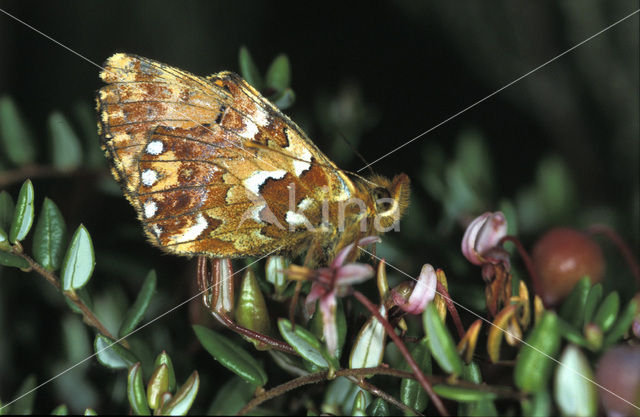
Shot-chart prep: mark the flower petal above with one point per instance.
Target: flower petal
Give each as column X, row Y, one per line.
column 316, row 292
column 341, row 257
column 493, row 229
column 423, row 292
column 469, row 239
column 353, row 273
column 329, row 328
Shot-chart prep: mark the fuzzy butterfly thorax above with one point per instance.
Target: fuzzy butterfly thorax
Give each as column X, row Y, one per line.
column 213, row 168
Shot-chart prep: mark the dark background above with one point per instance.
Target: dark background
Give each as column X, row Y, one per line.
column 376, row 73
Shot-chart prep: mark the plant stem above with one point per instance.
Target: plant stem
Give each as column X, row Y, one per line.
column 528, row 263
column 87, row 315
column 363, row 372
column 624, row 249
column 405, row 352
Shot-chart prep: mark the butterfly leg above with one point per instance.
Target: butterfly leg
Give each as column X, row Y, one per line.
column 217, row 296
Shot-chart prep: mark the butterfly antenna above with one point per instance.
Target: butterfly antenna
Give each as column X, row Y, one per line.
column 355, row 151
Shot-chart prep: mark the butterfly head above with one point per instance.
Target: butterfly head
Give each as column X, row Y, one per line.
column 390, row 199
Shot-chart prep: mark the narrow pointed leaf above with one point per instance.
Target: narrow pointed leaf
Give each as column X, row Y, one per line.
column 181, row 402
column 7, row 208
column 368, row 350
column 608, row 311
column 249, row 70
column 67, row 154
column 359, row 405
column 305, row 343
column 621, row 325
column 440, row 341
column 411, row 392
column 572, row 310
column 231, row 356
column 49, row 236
column 23, row 215
column 574, row 392
column 17, row 143
column 9, row 259
column 158, row 385
column 229, row 399
column 79, row 261
column 251, row 308
column 113, row 355
column 463, row 394
column 278, row 75
column 136, row 313
column 136, row 392
column 275, row 267
column 593, row 300
column 534, row 363
column 164, row 359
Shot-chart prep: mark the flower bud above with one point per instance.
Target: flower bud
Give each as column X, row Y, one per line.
column 482, row 235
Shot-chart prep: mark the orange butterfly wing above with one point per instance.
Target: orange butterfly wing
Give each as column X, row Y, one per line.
column 209, row 164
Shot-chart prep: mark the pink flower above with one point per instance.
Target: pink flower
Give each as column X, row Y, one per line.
column 480, row 240
column 423, row 292
column 332, row 282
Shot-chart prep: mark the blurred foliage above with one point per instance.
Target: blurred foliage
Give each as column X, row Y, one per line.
column 561, row 147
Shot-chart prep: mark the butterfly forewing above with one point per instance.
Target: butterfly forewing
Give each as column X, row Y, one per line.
column 208, row 163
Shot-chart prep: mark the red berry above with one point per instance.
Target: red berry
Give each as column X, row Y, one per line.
column 618, row 374
column 561, row 257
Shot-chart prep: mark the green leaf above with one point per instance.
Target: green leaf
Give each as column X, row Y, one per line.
column 49, row 236
column 67, row 154
column 306, row 344
column 411, row 392
column 24, row 404
column 9, row 259
column 368, row 349
column 182, row 401
column 60, row 410
column 592, row 302
column 158, row 385
column 378, row 408
column 136, row 313
column 6, row 210
column 78, row 262
column 608, row 311
column 574, row 392
column 14, row 134
column 23, row 216
column 249, row 70
column 90, row 412
column 537, row 405
column 284, row 99
column 4, row 241
column 274, row 269
column 440, row 341
column 229, row 399
column 86, row 118
column 484, row 407
column 535, row 360
column 231, row 356
column 136, row 392
column 278, row 75
column 621, row 325
column 164, row 359
column 251, row 308
column 463, row 394
column 572, row 310
column 113, row 355
column 359, row 405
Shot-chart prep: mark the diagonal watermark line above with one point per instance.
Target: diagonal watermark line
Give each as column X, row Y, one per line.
column 135, row 331
column 106, row 70
column 499, row 90
column 505, row 331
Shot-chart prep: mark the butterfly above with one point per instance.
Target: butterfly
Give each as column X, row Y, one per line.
column 213, row 168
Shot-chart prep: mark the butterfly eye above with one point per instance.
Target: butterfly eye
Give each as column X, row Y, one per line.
column 382, row 199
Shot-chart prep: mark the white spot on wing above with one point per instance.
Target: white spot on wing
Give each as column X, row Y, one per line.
column 255, row 212
column 301, row 166
column 260, row 117
column 305, row 203
column 295, row 219
column 258, row 178
column 250, row 130
column 194, row 231
column 155, row 147
column 150, row 208
column 149, row 177
column 157, row 230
